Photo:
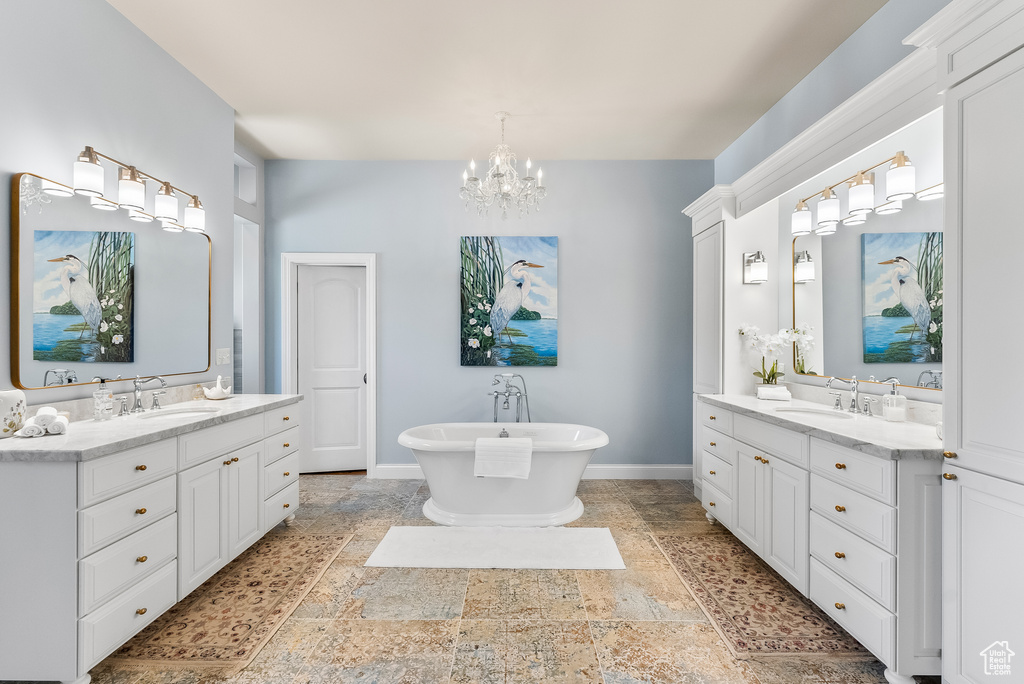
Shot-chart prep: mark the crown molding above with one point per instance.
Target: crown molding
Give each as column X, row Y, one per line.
column 713, row 206
column 950, row 20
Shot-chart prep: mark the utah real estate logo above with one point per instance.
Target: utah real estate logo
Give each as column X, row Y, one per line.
column 997, row 658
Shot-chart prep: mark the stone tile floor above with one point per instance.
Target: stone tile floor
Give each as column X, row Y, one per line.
column 424, row 626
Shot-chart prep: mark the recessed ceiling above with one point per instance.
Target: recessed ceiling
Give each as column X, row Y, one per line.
column 584, row 79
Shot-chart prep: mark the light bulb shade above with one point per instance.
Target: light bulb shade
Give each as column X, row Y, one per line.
column 165, row 206
column 139, row 216
column 862, row 194
column 131, row 190
column 88, row 174
column 802, row 221
column 755, row 268
column 826, row 229
column 900, row 179
column 803, row 268
column 855, row 220
column 195, row 216
column 893, row 207
column 828, row 210
column 102, row 204
column 172, row 227
column 55, row 189
column 933, row 193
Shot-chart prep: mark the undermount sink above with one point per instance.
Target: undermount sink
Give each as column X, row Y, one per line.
column 181, row 412
column 814, row 411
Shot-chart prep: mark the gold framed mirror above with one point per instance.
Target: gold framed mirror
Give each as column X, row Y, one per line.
column 97, row 294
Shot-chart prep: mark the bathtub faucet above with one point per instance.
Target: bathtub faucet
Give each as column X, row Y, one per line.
column 511, row 390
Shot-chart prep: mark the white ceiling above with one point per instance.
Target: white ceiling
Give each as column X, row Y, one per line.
column 412, row 79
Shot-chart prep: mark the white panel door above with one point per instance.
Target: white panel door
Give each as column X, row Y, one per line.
column 749, row 499
column 787, row 501
column 332, row 367
column 245, row 498
column 982, row 529
column 707, row 310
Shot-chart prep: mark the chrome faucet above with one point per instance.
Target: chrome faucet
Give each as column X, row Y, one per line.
column 852, row 382
column 139, row 382
column 511, row 390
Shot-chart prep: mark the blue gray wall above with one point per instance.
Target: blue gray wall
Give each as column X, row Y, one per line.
column 624, row 291
column 871, row 51
column 79, row 73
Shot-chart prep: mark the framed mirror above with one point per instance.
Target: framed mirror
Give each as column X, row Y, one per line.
column 871, row 292
column 96, row 294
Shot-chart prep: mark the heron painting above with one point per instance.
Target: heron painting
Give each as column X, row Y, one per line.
column 509, row 301
column 83, row 296
column 902, row 275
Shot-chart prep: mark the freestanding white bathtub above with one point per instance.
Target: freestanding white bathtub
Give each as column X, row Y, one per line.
column 445, row 452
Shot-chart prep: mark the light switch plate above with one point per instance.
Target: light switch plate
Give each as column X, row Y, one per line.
column 223, row 356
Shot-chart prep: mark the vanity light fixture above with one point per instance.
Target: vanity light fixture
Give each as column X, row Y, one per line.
column 131, row 193
column 900, row 179
column 803, row 267
column 755, row 268
column 55, row 189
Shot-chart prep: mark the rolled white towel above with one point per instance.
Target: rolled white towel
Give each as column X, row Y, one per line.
column 45, row 416
column 58, row 427
column 31, row 429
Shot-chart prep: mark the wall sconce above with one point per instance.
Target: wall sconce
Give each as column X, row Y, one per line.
column 131, row 194
column 755, row 268
column 803, row 267
column 900, row 179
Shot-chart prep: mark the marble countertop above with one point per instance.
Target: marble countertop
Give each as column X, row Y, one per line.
column 88, row 439
column 868, row 434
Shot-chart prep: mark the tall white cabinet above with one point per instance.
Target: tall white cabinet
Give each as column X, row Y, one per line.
column 983, row 488
column 708, row 247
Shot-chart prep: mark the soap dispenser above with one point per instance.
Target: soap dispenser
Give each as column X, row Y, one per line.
column 102, row 401
column 894, row 405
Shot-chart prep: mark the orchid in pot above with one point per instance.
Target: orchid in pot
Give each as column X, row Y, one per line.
column 769, row 346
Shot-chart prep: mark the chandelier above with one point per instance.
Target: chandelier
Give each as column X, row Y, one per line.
column 501, row 185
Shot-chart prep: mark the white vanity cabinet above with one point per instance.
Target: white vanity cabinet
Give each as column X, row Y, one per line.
column 856, row 532
column 98, row 546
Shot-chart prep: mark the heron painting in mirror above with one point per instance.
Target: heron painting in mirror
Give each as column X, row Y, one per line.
column 509, row 305
column 83, row 296
column 902, row 275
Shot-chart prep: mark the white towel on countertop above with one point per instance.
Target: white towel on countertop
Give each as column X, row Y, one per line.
column 45, row 416
column 57, row 427
column 31, row 429
column 503, row 457
column 774, row 392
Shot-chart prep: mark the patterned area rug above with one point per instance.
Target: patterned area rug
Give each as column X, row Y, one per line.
column 224, row 623
column 752, row 607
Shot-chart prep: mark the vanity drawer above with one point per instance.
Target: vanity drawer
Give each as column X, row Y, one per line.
column 104, row 630
column 281, row 505
column 281, row 473
column 718, row 418
column 786, row 444
column 282, row 444
column 717, row 503
column 871, row 519
column 863, row 564
column 109, row 476
column 108, row 573
column 716, row 443
column 116, row 518
column 867, row 474
column 718, row 472
column 868, row 622
column 280, row 419
column 202, row 445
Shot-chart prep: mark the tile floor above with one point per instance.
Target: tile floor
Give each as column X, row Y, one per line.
column 425, row 626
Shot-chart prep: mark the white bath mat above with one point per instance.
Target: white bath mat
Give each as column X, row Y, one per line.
column 540, row 548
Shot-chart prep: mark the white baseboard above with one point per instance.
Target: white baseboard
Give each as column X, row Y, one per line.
column 629, row 471
column 595, row 471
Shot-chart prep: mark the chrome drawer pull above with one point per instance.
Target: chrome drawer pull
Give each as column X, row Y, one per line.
column 841, row 606
column 140, row 467
column 840, row 509
column 840, row 554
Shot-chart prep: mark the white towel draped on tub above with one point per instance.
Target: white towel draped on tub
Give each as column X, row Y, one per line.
column 503, row 457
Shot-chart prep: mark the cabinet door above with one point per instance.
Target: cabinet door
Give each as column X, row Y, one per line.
column 202, row 530
column 245, row 498
column 982, row 526
column 983, row 245
column 748, row 500
column 787, row 502
column 707, row 310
